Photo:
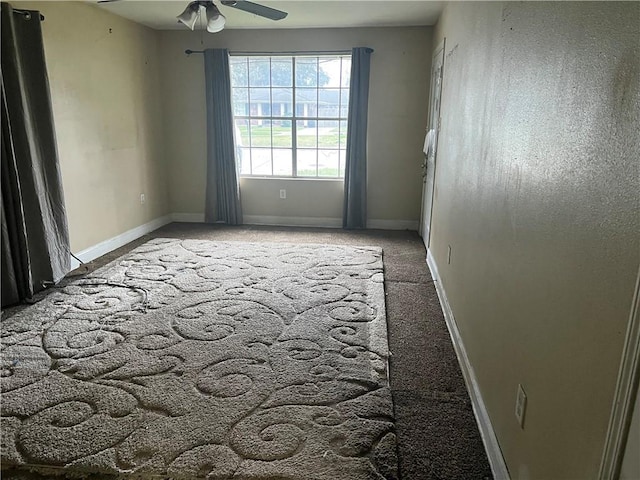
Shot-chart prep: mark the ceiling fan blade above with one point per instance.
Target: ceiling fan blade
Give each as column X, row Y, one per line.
column 256, row 9
column 107, row 1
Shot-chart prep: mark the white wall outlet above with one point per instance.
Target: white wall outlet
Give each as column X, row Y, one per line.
column 521, row 405
column 448, row 254
column 283, row 193
column 143, row 199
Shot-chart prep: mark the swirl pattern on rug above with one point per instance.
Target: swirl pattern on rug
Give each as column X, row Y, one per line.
column 195, row 359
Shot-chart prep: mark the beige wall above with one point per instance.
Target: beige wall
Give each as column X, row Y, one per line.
column 397, row 119
column 537, row 193
column 103, row 73
column 261, row 198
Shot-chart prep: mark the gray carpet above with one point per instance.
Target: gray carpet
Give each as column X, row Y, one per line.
column 437, row 436
column 199, row 359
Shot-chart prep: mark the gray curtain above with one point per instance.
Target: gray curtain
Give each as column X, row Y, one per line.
column 223, row 190
column 355, row 178
column 35, row 238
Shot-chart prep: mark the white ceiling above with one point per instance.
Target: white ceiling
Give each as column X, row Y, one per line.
column 161, row 15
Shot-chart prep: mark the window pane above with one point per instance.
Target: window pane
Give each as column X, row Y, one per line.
column 261, row 133
column 328, row 163
column 243, row 155
column 281, row 71
column 240, row 101
column 306, row 102
column 282, row 133
column 343, row 134
column 346, row 71
column 329, row 72
column 261, row 161
column 282, row 102
column 328, row 102
column 328, row 134
column 241, row 134
column 260, row 99
column 344, row 103
column 306, row 71
column 306, row 162
column 282, row 162
column 239, row 76
column 343, row 161
column 259, row 75
column 307, row 133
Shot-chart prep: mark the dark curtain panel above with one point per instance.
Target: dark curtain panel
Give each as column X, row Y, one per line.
column 35, row 238
column 222, row 173
column 355, row 177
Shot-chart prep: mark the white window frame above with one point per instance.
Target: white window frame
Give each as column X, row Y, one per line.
column 294, row 118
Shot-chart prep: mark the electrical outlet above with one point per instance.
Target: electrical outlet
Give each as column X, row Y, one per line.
column 521, row 405
column 283, row 193
column 448, row 254
column 143, row 199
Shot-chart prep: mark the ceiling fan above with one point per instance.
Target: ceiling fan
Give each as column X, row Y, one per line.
column 215, row 19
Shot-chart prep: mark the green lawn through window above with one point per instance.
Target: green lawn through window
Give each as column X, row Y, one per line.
column 261, row 137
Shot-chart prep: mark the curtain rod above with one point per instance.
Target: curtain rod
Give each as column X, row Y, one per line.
column 26, row 13
column 275, row 54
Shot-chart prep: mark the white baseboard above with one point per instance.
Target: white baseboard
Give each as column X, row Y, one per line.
column 283, row 221
column 327, row 222
column 91, row 253
column 267, row 220
column 187, row 217
column 393, row 224
column 491, row 445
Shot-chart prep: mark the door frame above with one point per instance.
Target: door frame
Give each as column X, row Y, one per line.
column 439, row 50
column 625, row 394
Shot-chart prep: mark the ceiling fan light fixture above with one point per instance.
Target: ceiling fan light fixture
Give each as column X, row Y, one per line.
column 215, row 19
column 190, row 15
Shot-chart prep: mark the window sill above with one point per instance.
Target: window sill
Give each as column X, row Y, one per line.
column 321, row 179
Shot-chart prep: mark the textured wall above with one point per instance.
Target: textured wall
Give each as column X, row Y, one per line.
column 397, row 119
column 537, row 193
column 103, row 73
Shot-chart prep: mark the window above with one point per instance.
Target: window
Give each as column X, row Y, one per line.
column 290, row 114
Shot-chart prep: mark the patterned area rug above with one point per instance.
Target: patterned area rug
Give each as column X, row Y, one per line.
column 194, row 359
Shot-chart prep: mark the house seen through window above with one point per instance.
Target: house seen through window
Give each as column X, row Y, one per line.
column 290, row 114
